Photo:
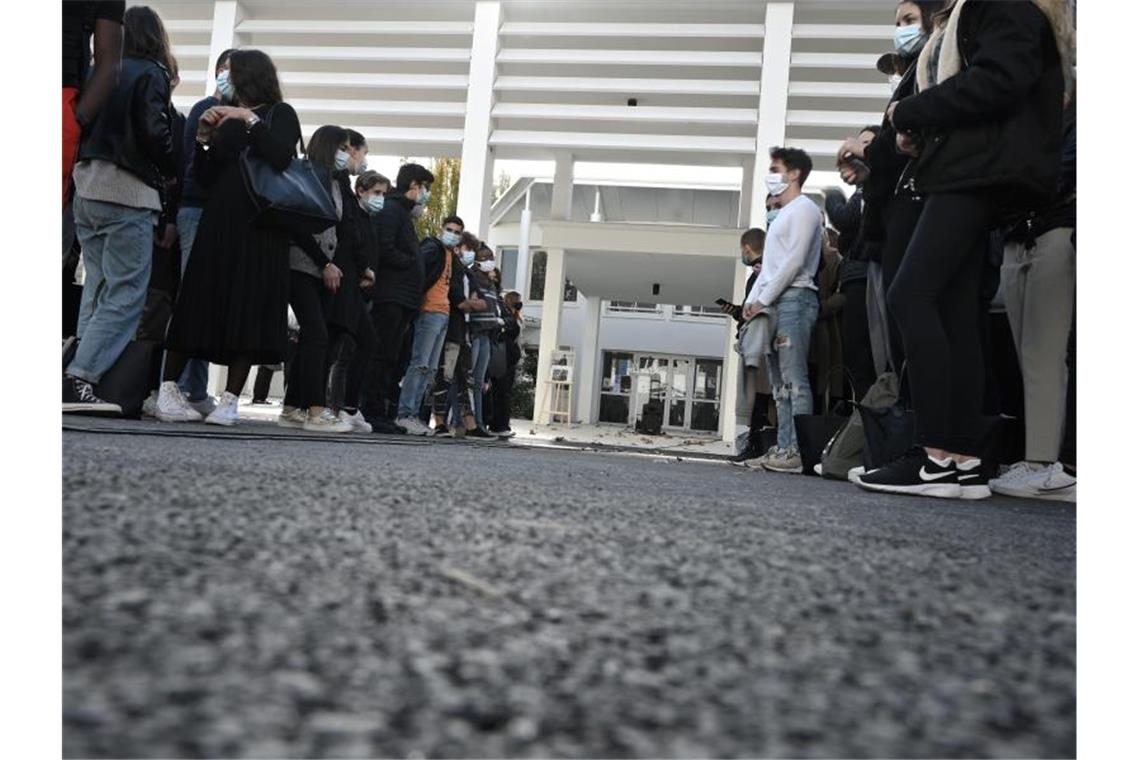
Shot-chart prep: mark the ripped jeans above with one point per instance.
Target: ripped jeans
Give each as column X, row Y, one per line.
column 796, row 311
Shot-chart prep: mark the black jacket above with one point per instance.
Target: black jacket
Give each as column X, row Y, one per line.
column 997, row 122
column 433, row 255
column 133, row 129
column 399, row 270
column 510, row 333
column 845, row 214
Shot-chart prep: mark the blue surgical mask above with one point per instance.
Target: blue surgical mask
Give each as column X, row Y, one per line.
column 225, row 89
column 909, row 39
column 341, row 160
column 361, row 167
column 772, row 214
column 423, row 197
column 467, row 258
column 449, row 238
column 374, row 204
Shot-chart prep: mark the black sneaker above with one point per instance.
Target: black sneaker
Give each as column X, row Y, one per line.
column 751, row 451
column 384, row 426
column 79, row 398
column 479, row 433
column 915, row 473
column 974, row 478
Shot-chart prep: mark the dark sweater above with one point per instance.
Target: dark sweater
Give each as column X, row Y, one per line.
column 400, row 271
column 194, row 194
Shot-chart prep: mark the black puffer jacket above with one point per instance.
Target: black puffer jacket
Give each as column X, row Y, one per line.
column 399, row 269
column 133, row 129
column 433, row 254
column 997, row 122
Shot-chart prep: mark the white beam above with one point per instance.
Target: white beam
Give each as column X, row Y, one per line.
column 378, row 81
column 309, row 27
column 223, row 35
column 477, row 171
column 631, row 57
column 562, row 192
column 378, row 107
column 625, row 114
column 522, row 269
column 849, row 119
column 552, row 297
column 629, row 87
column 773, row 120
column 844, row 31
column 862, row 61
column 618, row 141
column 653, row 31
column 747, row 177
column 875, row 91
column 732, row 365
column 588, row 362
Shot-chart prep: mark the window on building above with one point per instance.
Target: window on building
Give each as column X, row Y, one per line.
column 538, row 279
column 616, row 386
column 706, row 394
column 633, row 307
column 698, row 311
column 508, row 261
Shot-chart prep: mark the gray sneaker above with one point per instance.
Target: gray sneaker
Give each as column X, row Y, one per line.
column 412, row 426
column 785, row 460
column 758, row 462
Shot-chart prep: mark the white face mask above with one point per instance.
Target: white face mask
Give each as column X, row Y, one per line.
column 488, row 265
column 361, row 167
column 776, row 184
column 895, row 80
column 418, row 211
column 341, row 160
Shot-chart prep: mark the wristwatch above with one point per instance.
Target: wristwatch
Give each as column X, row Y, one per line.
column 252, row 120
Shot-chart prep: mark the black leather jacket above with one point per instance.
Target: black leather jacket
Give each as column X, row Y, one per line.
column 133, row 129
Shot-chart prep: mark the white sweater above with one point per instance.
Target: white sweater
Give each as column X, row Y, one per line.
column 791, row 252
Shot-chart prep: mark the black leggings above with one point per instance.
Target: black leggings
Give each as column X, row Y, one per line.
column 306, row 386
column 856, row 337
column 934, row 300
column 391, row 322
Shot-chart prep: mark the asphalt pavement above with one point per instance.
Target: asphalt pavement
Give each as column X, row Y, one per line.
column 226, row 595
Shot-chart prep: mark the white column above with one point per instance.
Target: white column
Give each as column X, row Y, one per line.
column 732, row 366
column 227, row 15
column 562, row 194
column 588, row 361
column 478, row 163
column 744, row 214
column 773, row 112
column 522, row 270
column 553, row 293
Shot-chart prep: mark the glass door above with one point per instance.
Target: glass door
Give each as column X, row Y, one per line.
column 678, row 396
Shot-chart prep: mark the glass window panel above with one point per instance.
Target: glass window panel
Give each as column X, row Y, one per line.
column 706, row 416
column 616, row 367
column 614, row 408
column 707, row 384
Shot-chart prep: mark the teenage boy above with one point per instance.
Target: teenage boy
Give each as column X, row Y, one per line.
column 398, row 291
column 437, row 255
column 786, row 288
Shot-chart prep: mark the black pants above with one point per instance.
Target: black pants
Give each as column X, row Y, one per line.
column 501, row 389
column 934, row 299
column 902, row 218
column 391, row 322
column 307, row 296
column 348, row 359
column 856, row 337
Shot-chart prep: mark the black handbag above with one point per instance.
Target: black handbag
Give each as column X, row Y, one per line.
column 132, row 376
column 497, row 367
column 295, row 199
column 888, row 427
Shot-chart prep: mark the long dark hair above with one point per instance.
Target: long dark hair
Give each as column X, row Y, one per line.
column 144, row 36
column 254, row 78
column 324, row 144
column 932, row 11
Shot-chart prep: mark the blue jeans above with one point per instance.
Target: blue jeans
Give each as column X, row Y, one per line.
column 117, row 242
column 795, row 311
column 480, row 359
column 197, row 372
column 427, row 344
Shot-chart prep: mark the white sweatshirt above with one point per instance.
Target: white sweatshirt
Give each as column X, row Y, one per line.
column 791, row 252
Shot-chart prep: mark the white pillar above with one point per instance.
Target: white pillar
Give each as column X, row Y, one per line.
column 773, row 112
column 744, row 213
column 588, row 362
column 522, row 269
column 553, row 292
column 227, row 15
column 562, row 194
column 732, row 366
column 478, row 164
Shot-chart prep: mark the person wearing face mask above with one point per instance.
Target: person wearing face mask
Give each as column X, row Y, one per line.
column 483, row 324
column 357, row 153
column 313, row 279
column 452, row 403
column 437, row 254
column 397, row 294
column 985, row 125
column 352, row 337
column 890, row 204
column 502, row 387
column 787, row 291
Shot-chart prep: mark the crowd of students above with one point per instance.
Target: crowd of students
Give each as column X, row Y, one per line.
column 964, row 207
column 364, row 316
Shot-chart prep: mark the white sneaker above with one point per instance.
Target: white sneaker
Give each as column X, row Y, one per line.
column 818, row 469
column 412, row 426
column 359, row 424
column 1050, row 483
column 204, row 407
column 150, row 404
column 227, row 411
column 326, row 422
column 171, row 405
column 292, row 417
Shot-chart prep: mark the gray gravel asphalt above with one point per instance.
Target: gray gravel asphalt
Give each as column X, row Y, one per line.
column 251, row 598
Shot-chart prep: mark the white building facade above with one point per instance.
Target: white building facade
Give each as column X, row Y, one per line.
column 662, row 82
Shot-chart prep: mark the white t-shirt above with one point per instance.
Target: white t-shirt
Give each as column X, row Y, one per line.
column 791, row 252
